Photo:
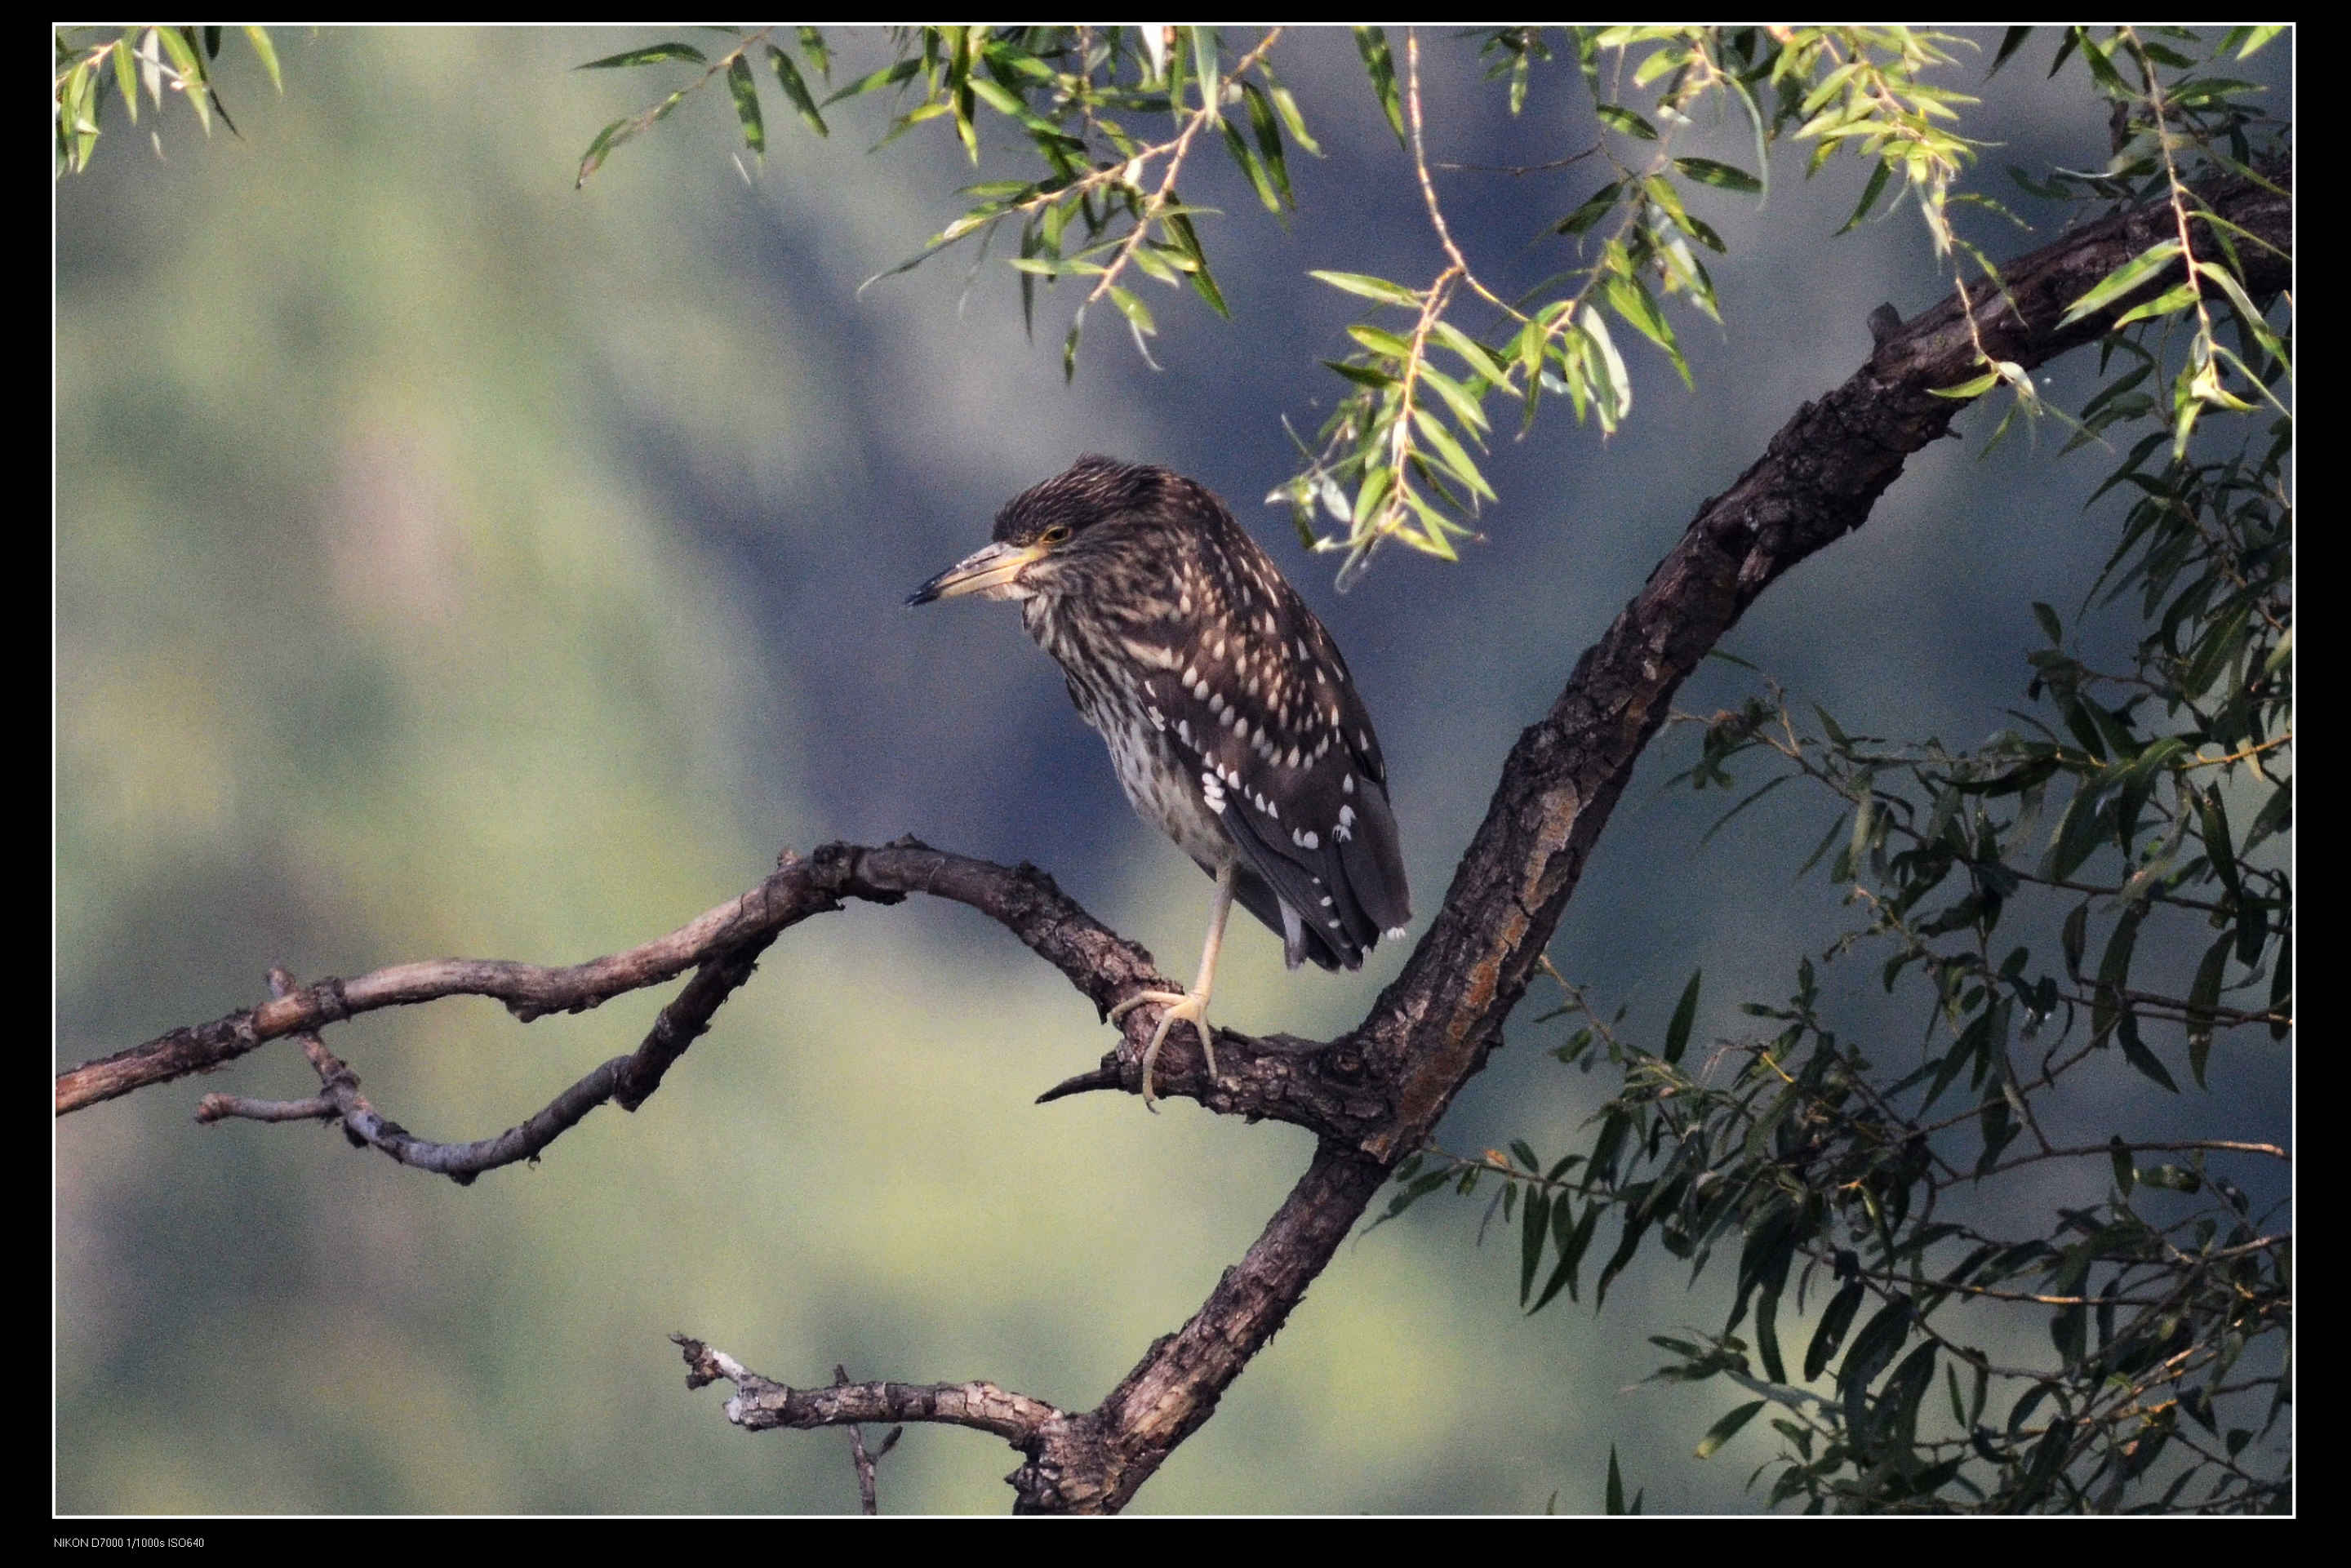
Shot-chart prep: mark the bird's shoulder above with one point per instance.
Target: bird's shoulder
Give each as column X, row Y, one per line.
column 1245, row 679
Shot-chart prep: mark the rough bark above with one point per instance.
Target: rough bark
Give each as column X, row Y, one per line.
column 1375, row 1094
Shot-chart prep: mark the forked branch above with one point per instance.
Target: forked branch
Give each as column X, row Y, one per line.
column 1375, row 1094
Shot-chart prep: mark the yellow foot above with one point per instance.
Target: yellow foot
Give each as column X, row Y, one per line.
column 1183, row 1006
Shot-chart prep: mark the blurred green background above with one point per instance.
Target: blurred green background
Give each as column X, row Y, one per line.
column 452, row 562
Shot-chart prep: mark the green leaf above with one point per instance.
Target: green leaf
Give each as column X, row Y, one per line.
column 2218, row 647
column 1205, row 64
column 76, row 127
column 1295, row 123
column 1829, row 1334
column 1836, row 828
column 874, row 81
column 1598, row 205
column 177, row 43
column 1370, row 288
column 745, row 91
column 1767, row 1335
column 1630, row 298
column 1179, row 227
column 1872, row 1348
column 2078, row 832
column 1724, row 176
column 1372, row 43
column 1481, row 359
column 2114, row 968
column 1138, row 315
column 599, row 147
column 788, row 77
column 1380, row 341
column 1361, row 375
column 2203, row 997
column 1371, row 494
column 1622, row 121
column 1975, row 387
column 1658, row 1200
column 1435, row 527
column 1534, row 1230
column 1722, row 1431
column 2212, row 817
column 2009, row 43
column 2067, row 1331
column 1855, row 857
column 2102, row 69
column 2136, row 1052
column 2026, row 1403
column 1896, row 1416
column 125, row 75
column 262, row 49
column 2075, row 938
column 621, row 131
column 1677, row 1031
column 2122, row 280
column 1450, row 451
column 1250, row 164
column 1573, row 1239
column 1879, row 174
column 1269, row 139
column 1458, row 398
column 813, row 45
column 1148, row 259
column 1828, row 88
column 651, row 55
column 1610, row 383
column 2172, row 301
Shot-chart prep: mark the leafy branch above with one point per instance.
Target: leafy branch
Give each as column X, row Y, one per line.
column 151, row 60
column 2144, row 804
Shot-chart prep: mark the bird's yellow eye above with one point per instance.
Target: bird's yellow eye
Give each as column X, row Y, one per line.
column 1057, row 533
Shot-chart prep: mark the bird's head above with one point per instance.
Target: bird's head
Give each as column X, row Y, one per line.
column 1053, row 533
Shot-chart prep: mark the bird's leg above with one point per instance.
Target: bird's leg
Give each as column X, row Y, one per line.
column 1191, row 1006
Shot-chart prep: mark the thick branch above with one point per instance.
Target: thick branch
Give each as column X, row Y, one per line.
column 1279, row 1077
column 1434, row 1026
column 1375, row 1094
column 1023, row 898
column 1815, row 483
column 1176, row 1385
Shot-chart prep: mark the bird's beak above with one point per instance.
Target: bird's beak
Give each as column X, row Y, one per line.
column 992, row 573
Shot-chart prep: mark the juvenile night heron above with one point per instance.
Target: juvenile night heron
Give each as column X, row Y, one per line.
column 1229, row 715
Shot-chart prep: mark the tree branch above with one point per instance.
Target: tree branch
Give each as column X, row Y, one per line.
column 1023, row 898
column 761, row 1403
column 1816, row 482
column 1375, row 1094
column 1432, row 1029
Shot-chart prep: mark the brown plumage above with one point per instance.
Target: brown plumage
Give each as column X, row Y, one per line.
column 1231, row 720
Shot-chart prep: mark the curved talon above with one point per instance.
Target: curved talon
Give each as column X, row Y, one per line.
column 1189, row 1007
column 1137, row 1001
column 1183, row 1007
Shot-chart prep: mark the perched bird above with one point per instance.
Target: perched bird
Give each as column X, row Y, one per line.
column 1230, row 717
